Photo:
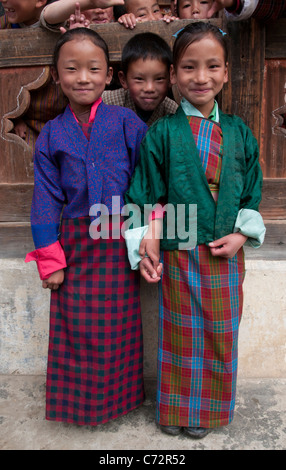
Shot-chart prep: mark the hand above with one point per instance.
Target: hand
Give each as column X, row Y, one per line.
column 147, row 270
column 150, row 266
column 169, row 18
column 77, row 20
column 128, row 20
column 54, row 281
column 227, row 246
column 219, row 5
column 20, row 128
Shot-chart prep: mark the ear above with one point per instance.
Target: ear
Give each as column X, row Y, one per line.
column 54, row 75
column 41, row 3
column 109, row 76
column 122, row 80
column 173, row 78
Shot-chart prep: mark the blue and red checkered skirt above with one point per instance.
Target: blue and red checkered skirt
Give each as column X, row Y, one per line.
column 95, row 359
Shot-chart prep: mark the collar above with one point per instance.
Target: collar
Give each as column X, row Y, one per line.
column 92, row 111
column 190, row 110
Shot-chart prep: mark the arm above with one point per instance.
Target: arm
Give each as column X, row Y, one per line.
column 234, row 9
column 149, row 250
column 147, row 187
column 47, row 204
column 249, row 227
column 61, row 10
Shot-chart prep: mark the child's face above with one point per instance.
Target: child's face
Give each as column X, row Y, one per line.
column 146, row 10
column 194, row 9
column 98, row 15
column 23, row 11
column 82, row 73
column 147, row 81
column 201, row 73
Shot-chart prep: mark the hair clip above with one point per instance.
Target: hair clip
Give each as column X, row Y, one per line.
column 176, row 34
column 222, row 32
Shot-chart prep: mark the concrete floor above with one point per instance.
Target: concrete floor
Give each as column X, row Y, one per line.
column 259, row 423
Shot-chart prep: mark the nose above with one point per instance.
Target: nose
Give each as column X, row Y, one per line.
column 83, row 76
column 201, row 75
column 149, row 86
column 196, row 8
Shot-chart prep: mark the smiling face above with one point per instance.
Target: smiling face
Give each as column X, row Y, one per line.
column 194, row 9
column 201, row 73
column 145, row 10
column 23, row 11
column 99, row 15
column 147, row 81
column 82, row 73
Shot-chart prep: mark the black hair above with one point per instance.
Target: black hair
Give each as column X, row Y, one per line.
column 145, row 46
column 195, row 32
column 80, row 33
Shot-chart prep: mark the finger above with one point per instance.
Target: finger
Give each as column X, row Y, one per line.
column 148, row 266
column 159, row 269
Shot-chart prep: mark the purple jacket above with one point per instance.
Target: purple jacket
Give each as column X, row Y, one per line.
column 76, row 173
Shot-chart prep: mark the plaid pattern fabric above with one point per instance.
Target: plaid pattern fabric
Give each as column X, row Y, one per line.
column 200, row 311
column 208, row 138
column 267, row 10
column 95, row 363
column 122, row 97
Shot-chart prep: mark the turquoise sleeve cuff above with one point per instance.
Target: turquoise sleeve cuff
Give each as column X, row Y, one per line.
column 133, row 239
column 250, row 223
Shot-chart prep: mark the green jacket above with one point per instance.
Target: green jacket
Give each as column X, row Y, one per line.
column 170, row 170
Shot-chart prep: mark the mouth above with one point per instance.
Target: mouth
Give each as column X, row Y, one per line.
column 9, row 10
column 201, row 91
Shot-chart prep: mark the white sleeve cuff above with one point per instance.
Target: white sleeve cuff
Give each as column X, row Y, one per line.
column 248, row 8
column 133, row 239
column 250, row 223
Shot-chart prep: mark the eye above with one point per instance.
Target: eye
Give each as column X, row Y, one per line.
column 187, row 5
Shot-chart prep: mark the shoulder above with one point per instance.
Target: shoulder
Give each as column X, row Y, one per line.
column 115, row 97
column 170, row 105
column 234, row 121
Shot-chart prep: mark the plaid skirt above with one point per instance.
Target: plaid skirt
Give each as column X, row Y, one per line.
column 200, row 310
column 95, row 359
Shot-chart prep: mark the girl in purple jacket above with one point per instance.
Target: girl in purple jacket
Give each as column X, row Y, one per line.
column 83, row 160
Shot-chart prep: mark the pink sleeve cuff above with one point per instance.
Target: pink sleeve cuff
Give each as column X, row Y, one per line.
column 157, row 213
column 49, row 259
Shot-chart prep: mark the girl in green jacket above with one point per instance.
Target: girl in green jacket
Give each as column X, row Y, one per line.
column 200, row 169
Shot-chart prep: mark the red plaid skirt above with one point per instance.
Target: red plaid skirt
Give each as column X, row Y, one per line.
column 95, row 360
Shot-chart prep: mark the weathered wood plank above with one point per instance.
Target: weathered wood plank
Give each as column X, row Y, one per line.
column 276, row 39
column 16, row 241
column 25, row 47
column 15, row 202
column 242, row 94
column 273, row 204
column 273, row 136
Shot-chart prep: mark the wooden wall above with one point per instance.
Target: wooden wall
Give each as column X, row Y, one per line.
column 256, row 92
